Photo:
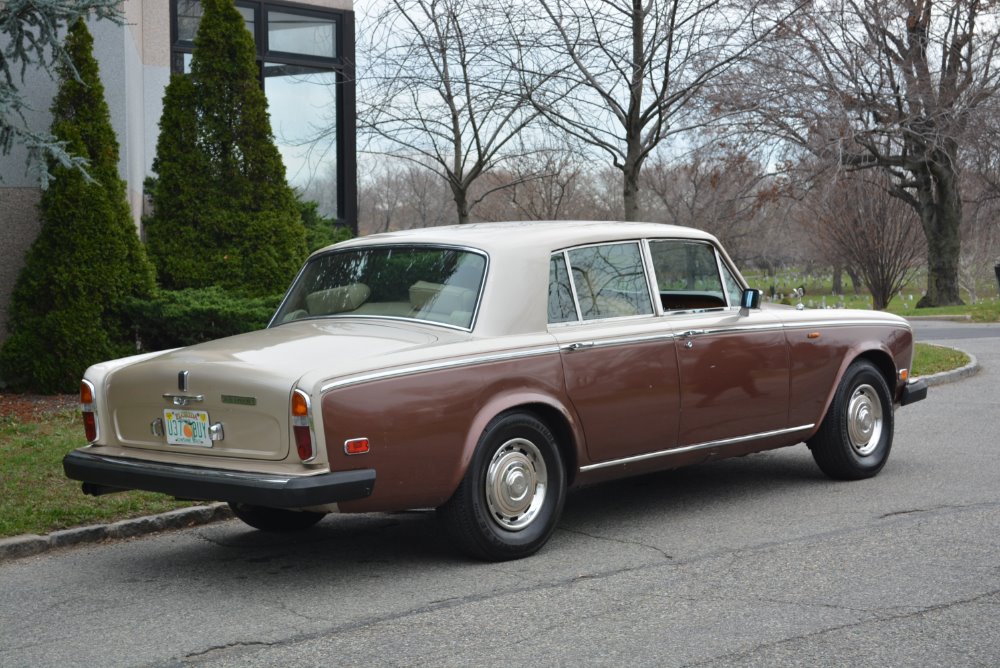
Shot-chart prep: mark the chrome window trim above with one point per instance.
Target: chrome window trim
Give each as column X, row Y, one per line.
column 654, row 289
column 334, row 249
column 691, row 448
column 439, row 365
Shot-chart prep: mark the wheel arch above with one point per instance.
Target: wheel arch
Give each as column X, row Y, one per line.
column 875, row 353
column 556, row 416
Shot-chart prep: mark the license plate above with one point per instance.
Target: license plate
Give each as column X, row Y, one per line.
column 187, row 428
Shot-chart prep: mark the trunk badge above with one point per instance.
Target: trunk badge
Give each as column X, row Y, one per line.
column 182, row 381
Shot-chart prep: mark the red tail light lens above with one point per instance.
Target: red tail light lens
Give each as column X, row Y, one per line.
column 89, row 411
column 301, row 411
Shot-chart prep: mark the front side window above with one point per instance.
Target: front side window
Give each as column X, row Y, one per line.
column 687, row 275
column 440, row 285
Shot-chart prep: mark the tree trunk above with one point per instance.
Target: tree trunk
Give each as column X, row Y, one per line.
column 630, row 191
column 941, row 218
column 461, row 196
column 855, row 279
column 838, row 280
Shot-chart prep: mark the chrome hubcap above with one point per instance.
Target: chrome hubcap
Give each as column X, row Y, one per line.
column 864, row 420
column 515, row 484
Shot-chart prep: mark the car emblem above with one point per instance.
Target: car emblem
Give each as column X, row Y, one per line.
column 182, row 381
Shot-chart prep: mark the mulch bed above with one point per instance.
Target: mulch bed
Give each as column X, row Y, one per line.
column 33, row 407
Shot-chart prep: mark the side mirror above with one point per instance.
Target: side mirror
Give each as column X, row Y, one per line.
column 750, row 299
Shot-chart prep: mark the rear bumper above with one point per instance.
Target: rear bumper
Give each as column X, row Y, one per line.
column 914, row 391
column 103, row 474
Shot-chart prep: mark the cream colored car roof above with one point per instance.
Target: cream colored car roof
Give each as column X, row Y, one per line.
column 515, row 299
column 545, row 236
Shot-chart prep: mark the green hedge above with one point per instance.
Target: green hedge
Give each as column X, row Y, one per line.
column 175, row 318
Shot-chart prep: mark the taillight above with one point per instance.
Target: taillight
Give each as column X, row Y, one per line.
column 305, row 444
column 89, row 410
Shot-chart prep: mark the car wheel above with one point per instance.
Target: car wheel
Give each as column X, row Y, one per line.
column 275, row 520
column 854, row 440
column 512, row 495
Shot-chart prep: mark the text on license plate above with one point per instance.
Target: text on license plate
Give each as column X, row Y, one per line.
column 187, row 427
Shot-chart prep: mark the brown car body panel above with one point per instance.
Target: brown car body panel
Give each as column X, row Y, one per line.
column 422, row 447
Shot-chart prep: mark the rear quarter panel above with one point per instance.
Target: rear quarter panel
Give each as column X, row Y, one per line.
column 424, row 427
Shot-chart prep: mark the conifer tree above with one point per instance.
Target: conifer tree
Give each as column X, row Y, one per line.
column 87, row 260
column 223, row 211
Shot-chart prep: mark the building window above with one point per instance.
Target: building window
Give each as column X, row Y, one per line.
column 305, row 59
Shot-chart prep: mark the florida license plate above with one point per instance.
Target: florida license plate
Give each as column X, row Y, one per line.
column 187, row 428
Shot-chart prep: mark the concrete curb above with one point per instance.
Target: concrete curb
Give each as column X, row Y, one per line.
column 32, row 544
column 970, row 369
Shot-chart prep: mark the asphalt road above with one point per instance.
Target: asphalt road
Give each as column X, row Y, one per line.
column 755, row 561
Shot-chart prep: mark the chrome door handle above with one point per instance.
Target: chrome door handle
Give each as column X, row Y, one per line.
column 693, row 332
column 580, row 346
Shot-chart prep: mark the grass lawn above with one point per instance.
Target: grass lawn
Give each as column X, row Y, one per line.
column 928, row 359
column 35, row 496
column 819, row 294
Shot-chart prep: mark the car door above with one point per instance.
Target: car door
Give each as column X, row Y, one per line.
column 733, row 368
column 618, row 357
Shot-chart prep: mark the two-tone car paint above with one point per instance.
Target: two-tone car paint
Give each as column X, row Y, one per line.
column 623, row 395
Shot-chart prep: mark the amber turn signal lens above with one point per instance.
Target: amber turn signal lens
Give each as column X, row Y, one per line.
column 88, row 410
column 300, row 404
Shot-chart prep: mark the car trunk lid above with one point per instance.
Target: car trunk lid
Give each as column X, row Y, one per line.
column 240, row 385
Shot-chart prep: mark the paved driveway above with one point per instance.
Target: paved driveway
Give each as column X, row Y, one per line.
column 754, row 561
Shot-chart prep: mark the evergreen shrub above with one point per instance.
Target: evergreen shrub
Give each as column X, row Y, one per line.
column 175, row 318
column 223, row 212
column 66, row 309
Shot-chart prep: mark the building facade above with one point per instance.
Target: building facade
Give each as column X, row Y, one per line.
column 305, row 53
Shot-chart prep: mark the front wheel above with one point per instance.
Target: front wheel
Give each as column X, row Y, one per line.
column 275, row 520
column 510, row 500
column 854, row 440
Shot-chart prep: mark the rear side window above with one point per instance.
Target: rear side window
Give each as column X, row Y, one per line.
column 562, row 308
column 609, row 282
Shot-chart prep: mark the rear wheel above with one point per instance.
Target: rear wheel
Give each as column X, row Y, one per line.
column 854, row 440
column 512, row 495
column 275, row 520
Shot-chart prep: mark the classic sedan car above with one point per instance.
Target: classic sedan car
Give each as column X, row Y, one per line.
column 485, row 369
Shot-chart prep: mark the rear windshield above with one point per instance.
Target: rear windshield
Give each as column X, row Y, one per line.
column 433, row 284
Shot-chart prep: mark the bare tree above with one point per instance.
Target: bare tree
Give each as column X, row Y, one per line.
column 547, row 184
column 400, row 194
column 719, row 188
column 621, row 76
column 861, row 224
column 892, row 86
column 441, row 91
